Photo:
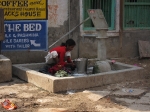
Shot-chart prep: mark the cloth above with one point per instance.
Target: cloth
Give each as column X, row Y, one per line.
column 50, row 56
column 45, row 68
column 68, row 56
column 62, row 54
column 61, row 73
column 68, row 53
column 55, row 68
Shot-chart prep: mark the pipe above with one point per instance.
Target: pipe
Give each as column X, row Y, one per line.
column 69, row 32
column 69, row 15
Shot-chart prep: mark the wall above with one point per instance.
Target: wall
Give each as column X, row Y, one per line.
column 57, row 27
column 57, row 21
column 117, row 46
column 130, row 41
column 64, row 16
column 88, row 47
column 88, row 44
column 124, row 44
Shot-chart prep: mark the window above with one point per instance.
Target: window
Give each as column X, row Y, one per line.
column 108, row 8
column 137, row 14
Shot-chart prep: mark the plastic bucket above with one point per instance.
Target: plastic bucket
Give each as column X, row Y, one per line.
column 81, row 65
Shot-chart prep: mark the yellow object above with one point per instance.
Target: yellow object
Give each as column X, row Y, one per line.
column 24, row 9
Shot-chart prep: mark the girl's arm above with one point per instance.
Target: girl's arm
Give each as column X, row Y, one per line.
column 69, row 59
column 69, row 62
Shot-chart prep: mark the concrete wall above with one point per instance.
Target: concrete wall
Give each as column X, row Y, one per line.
column 57, row 27
column 88, row 47
column 59, row 23
column 57, row 20
column 64, row 16
column 130, row 41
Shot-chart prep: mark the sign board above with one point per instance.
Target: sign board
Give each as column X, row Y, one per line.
column 25, row 35
column 24, row 9
column 98, row 18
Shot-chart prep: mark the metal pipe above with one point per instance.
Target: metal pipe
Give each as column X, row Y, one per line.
column 69, row 16
column 69, row 32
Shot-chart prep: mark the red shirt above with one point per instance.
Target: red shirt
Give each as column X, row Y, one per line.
column 61, row 50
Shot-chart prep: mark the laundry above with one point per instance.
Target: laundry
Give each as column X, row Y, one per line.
column 55, row 68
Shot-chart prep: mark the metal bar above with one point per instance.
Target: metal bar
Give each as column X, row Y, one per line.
column 69, row 32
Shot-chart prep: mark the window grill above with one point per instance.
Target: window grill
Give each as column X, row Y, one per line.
column 136, row 14
column 108, row 8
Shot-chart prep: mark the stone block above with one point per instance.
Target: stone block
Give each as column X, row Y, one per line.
column 5, row 69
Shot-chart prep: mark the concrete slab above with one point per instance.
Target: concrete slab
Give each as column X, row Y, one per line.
column 126, row 100
column 144, row 100
column 131, row 108
column 120, row 72
column 129, row 92
column 144, row 50
column 139, row 108
column 5, row 69
column 147, row 95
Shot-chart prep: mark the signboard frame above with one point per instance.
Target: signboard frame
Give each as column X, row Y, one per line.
column 30, row 10
column 25, row 35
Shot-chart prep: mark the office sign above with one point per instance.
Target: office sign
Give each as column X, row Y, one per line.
column 24, row 9
column 25, row 35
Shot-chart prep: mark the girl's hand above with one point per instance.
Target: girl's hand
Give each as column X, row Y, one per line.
column 59, row 66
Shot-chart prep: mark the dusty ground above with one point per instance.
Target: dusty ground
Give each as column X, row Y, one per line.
column 30, row 98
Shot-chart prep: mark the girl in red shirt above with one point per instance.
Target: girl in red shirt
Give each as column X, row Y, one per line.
column 61, row 56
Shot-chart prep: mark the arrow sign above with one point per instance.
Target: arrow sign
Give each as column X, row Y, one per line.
column 35, row 44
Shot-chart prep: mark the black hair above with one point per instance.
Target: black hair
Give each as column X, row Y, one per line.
column 69, row 42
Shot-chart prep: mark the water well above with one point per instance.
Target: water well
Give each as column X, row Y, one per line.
column 118, row 72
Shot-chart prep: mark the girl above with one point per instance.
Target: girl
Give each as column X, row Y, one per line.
column 58, row 55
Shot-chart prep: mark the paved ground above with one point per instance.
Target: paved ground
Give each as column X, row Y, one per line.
column 121, row 97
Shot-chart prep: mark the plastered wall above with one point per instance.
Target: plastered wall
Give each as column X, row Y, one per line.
column 63, row 16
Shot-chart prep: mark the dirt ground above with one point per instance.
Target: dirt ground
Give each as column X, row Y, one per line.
column 30, row 98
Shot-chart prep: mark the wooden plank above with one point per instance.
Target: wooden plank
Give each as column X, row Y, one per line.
column 144, row 48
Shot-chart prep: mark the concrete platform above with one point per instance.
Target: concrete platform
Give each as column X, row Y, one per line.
column 5, row 69
column 120, row 72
